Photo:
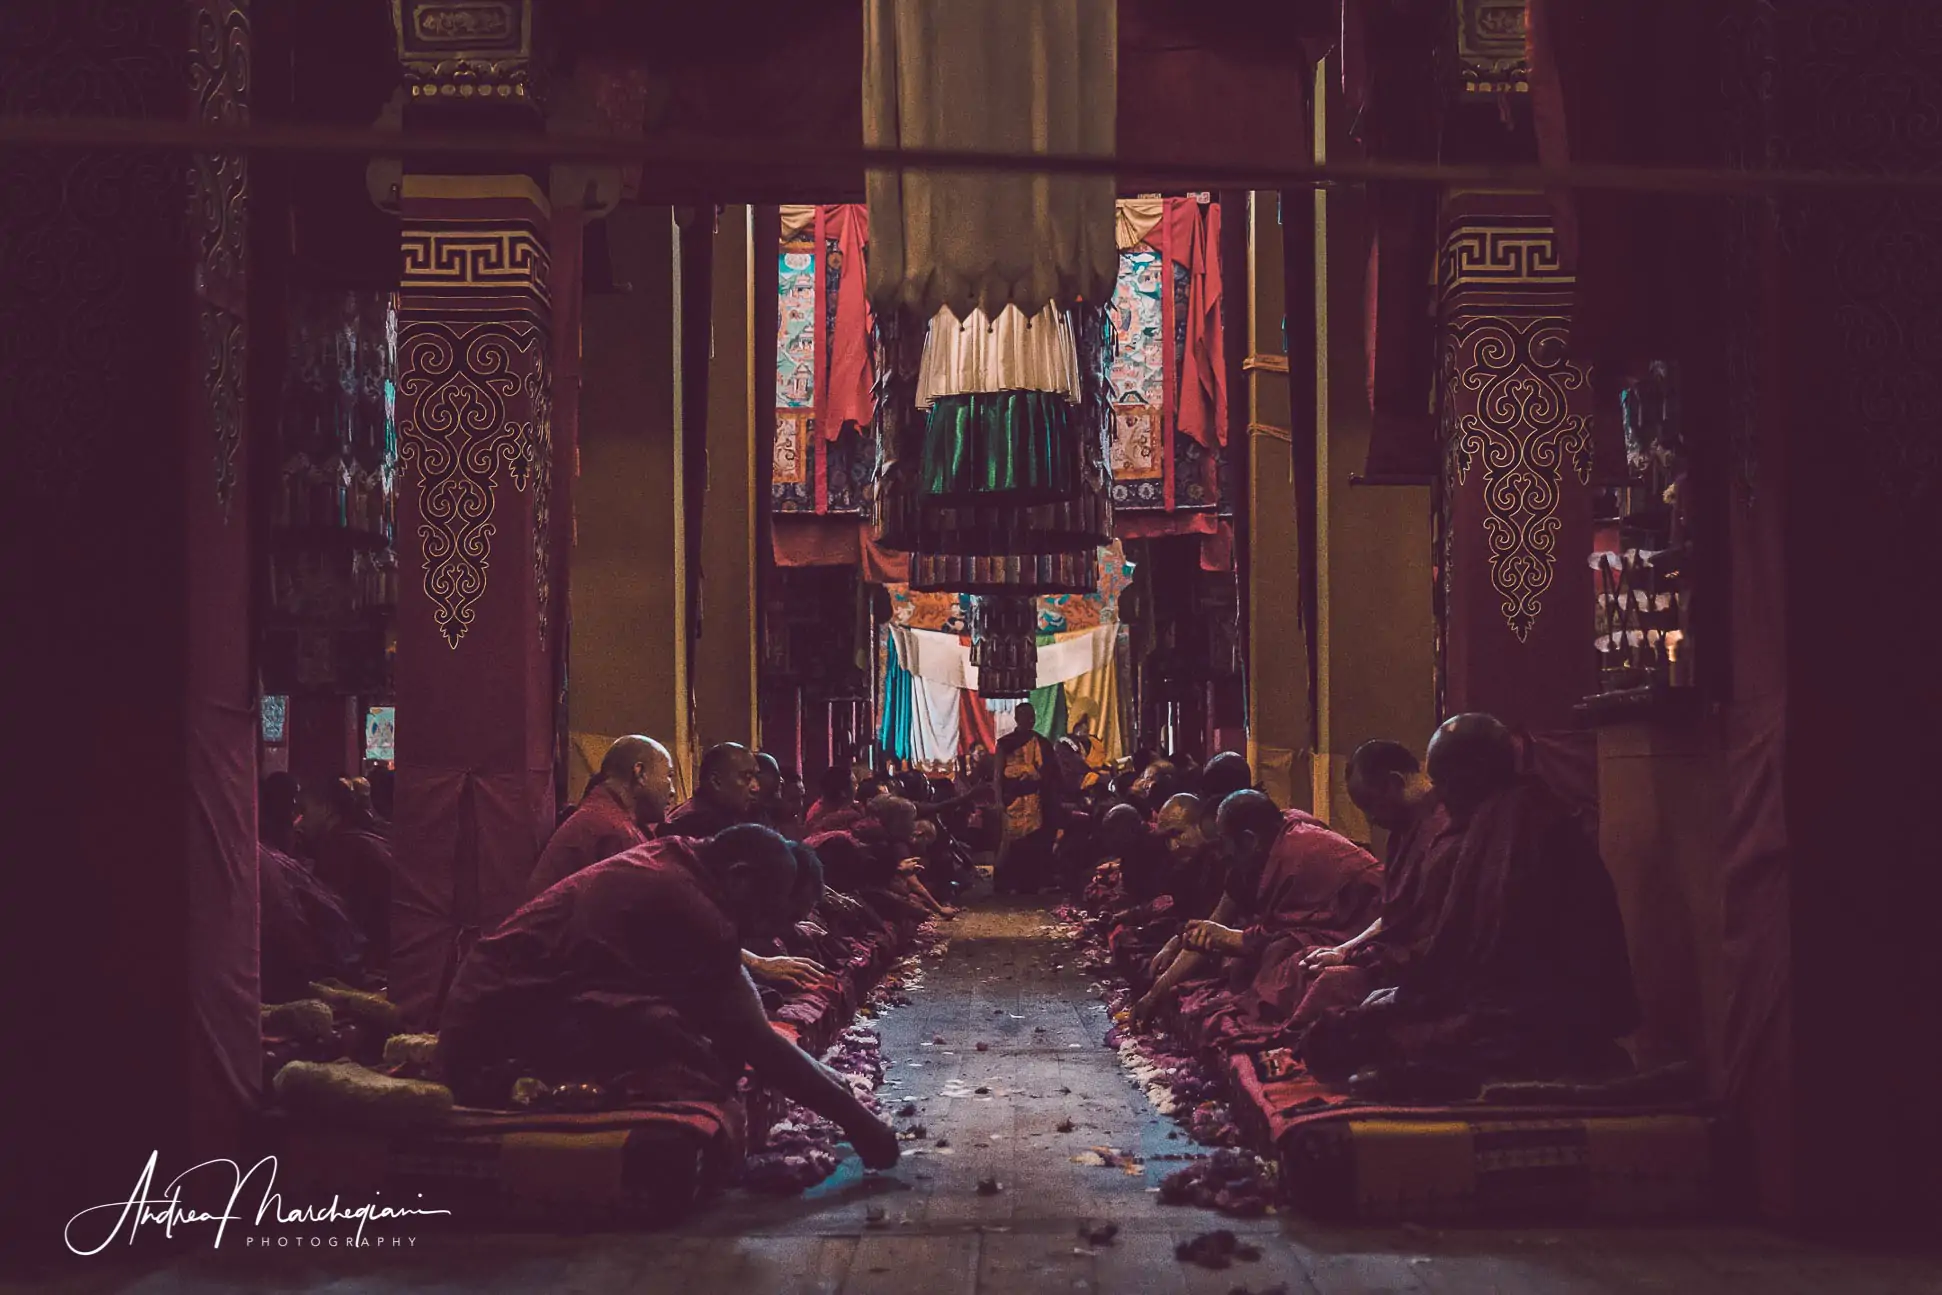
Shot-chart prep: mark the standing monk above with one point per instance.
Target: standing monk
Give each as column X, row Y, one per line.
column 617, row 813
column 1025, row 775
column 731, row 779
column 1526, row 974
column 1292, row 885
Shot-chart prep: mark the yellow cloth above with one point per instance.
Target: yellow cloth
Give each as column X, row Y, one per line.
column 1096, row 694
column 1138, row 218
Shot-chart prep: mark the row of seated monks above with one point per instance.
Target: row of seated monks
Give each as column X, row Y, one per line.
column 1488, row 946
column 654, row 947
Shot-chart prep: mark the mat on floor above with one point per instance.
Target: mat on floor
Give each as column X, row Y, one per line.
column 1476, row 1161
column 634, row 1167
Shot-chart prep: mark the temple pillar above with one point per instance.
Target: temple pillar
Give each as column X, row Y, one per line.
column 628, row 656
column 1374, row 631
column 741, row 373
column 130, row 944
column 474, row 678
column 1516, row 533
column 1277, row 683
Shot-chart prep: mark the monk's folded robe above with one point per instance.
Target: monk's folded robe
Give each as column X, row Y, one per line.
column 358, row 864
column 1316, row 889
column 306, row 934
column 599, row 828
column 601, row 979
column 1526, row 973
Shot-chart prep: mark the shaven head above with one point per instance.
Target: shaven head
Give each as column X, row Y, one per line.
column 1386, row 783
column 1472, row 758
column 729, row 778
column 641, row 771
column 1224, row 775
column 757, row 872
column 1182, row 824
column 1249, row 823
column 898, row 816
column 1119, row 829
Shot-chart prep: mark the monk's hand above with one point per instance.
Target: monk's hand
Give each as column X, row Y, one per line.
column 797, row 973
column 1212, row 937
column 910, row 866
column 1144, row 1009
column 1316, row 959
column 875, row 1142
column 1164, row 958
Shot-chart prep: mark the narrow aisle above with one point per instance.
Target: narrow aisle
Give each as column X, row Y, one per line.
column 1010, row 980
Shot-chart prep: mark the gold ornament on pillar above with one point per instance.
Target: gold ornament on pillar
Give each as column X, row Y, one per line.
column 1513, row 400
column 461, row 50
column 473, row 397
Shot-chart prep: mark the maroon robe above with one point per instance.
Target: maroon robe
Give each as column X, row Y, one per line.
column 602, row 979
column 1415, row 884
column 599, row 828
column 1316, row 890
column 305, row 933
column 697, row 820
column 1526, row 974
column 358, row 864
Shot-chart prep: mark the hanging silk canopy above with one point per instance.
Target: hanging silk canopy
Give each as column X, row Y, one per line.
column 1003, row 76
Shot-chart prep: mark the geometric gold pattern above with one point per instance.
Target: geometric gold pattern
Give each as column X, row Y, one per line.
column 471, row 400
column 1513, row 402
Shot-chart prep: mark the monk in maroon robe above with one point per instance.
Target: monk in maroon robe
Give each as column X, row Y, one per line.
column 1526, row 974
column 629, row 797
column 628, row 975
column 355, row 860
column 305, row 934
column 731, row 781
column 1297, row 886
column 1392, row 790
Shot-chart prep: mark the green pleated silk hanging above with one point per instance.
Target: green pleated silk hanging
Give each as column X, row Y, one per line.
column 1001, row 447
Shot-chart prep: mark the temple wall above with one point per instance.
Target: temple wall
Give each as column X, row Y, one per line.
column 625, row 589
column 1661, row 789
column 724, row 666
column 1375, row 631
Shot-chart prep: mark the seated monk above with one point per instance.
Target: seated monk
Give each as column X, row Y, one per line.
column 1292, row 885
column 730, row 779
column 628, row 797
column 1525, row 975
column 304, row 933
column 1391, row 789
column 1171, row 875
column 1119, row 834
column 1225, row 774
column 835, row 809
column 628, row 975
column 354, row 860
column 869, row 876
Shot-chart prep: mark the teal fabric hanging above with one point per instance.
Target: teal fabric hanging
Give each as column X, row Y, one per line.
column 893, row 730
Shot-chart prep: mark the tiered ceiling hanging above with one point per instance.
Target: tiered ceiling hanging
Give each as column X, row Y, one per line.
column 988, row 289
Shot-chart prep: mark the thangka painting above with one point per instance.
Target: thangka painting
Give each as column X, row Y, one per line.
column 1062, row 613
column 795, row 348
column 847, row 463
column 1144, row 356
column 1138, row 377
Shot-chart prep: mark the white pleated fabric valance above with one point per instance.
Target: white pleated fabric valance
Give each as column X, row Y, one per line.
column 1002, row 76
column 1010, row 353
column 941, row 658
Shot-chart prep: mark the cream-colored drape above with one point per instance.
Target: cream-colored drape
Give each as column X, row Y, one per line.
column 1011, row 76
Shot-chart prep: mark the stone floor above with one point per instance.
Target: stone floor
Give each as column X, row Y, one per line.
column 1009, row 982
